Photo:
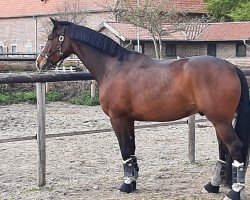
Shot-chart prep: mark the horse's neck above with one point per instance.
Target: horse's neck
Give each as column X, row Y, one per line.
column 94, row 60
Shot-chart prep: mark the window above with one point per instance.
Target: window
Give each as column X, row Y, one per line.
column 240, row 50
column 171, row 49
column 13, row 48
column 141, row 48
column 29, row 49
column 211, row 49
column 3, row 50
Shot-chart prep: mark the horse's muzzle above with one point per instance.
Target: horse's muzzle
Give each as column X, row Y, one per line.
column 42, row 63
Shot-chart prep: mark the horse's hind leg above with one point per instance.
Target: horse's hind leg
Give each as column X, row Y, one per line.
column 235, row 147
column 124, row 130
column 219, row 175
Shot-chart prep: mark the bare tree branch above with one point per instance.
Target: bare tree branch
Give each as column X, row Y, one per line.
column 69, row 11
column 153, row 15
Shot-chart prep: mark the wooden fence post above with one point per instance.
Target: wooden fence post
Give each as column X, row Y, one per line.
column 41, row 168
column 191, row 138
column 92, row 88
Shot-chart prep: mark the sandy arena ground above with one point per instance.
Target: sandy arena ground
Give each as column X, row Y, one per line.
column 90, row 166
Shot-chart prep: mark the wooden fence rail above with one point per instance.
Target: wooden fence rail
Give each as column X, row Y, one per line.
column 41, row 79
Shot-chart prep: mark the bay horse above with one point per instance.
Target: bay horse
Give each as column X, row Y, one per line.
column 132, row 86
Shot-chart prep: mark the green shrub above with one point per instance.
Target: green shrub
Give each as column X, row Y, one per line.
column 5, row 99
column 85, row 99
column 30, row 97
column 54, row 96
column 25, row 97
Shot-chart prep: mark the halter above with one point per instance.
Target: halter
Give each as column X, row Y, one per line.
column 59, row 48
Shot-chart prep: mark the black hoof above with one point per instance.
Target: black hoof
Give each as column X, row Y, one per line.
column 232, row 195
column 128, row 188
column 211, row 189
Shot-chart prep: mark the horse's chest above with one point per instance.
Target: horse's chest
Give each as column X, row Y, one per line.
column 114, row 101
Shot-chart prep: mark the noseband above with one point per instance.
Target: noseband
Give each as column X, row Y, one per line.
column 59, row 48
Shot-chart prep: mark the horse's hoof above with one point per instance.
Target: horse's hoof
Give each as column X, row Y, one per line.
column 232, row 195
column 128, row 188
column 210, row 188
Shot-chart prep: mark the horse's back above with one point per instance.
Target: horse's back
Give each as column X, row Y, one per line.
column 172, row 89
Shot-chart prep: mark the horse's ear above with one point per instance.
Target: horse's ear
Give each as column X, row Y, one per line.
column 55, row 22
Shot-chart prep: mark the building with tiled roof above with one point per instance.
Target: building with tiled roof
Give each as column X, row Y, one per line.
column 24, row 25
column 23, row 29
column 229, row 31
column 225, row 40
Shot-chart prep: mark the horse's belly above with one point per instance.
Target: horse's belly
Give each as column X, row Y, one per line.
column 163, row 112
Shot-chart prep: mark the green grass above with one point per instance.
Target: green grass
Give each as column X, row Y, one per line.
column 30, row 97
column 11, row 98
column 85, row 99
column 53, row 96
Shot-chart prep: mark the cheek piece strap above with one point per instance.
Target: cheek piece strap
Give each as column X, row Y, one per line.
column 59, row 48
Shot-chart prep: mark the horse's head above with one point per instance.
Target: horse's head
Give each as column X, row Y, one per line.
column 56, row 49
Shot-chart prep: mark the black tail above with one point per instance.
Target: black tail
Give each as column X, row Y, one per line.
column 242, row 126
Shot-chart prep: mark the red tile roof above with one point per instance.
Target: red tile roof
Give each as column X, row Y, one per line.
column 193, row 6
column 21, row 8
column 233, row 31
column 226, row 31
column 129, row 31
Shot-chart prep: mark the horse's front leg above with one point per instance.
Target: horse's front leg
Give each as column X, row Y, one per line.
column 124, row 130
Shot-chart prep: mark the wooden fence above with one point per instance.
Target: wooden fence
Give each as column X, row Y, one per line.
column 40, row 79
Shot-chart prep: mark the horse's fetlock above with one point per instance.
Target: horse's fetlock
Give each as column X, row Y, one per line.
column 131, row 169
column 238, row 176
column 219, row 173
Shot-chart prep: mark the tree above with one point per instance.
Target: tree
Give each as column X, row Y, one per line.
column 229, row 10
column 70, row 11
column 241, row 13
column 152, row 16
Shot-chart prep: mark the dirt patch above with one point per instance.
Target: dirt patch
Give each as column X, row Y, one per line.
column 90, row 166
